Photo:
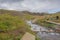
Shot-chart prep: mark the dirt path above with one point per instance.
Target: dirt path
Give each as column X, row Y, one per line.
column 28, row 36
column 53, row 22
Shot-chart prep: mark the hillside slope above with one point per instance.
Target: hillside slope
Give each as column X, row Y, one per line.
column 13, row 25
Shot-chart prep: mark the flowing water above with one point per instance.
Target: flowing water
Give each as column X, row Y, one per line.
column 43, row 33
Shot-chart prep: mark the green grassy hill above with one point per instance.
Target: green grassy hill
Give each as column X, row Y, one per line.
column 13, row 25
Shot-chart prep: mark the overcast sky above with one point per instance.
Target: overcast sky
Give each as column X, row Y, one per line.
column 50, row 6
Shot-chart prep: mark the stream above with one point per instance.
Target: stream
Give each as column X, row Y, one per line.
column 43, row 33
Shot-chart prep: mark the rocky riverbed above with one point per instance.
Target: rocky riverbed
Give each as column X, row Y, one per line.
column 43, row 33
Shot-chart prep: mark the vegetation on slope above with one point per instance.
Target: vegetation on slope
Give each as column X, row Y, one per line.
column 12, row 27
column 42, row 20
column 8, row 22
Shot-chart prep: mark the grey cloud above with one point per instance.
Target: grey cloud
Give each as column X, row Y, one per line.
column 9, row 1
column 30, row 5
